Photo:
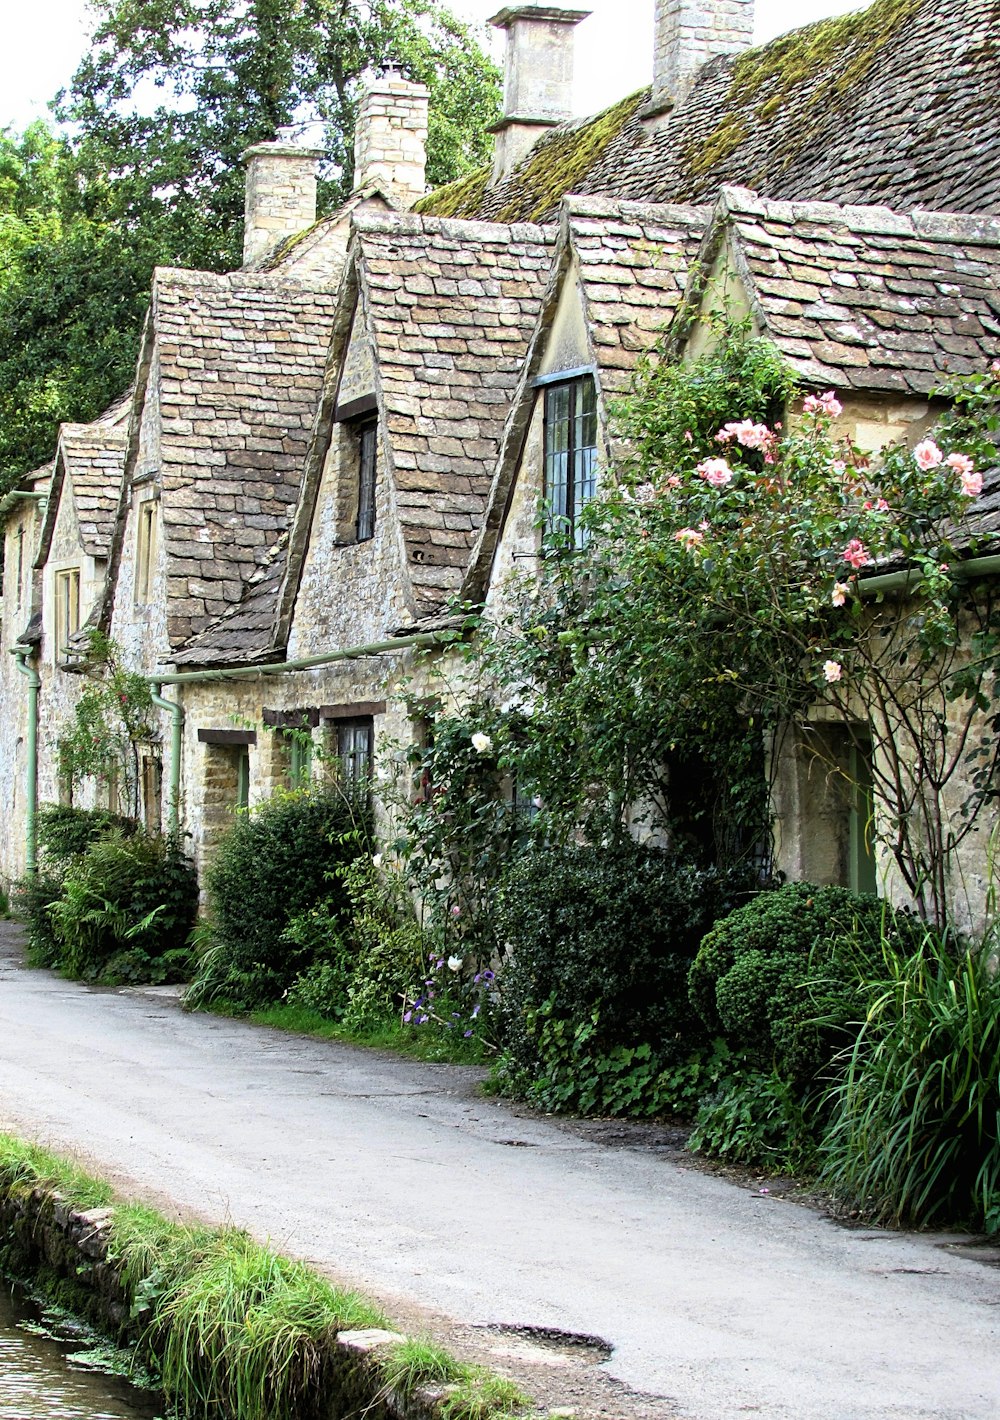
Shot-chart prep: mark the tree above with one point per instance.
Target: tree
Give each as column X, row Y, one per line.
column 175, row 90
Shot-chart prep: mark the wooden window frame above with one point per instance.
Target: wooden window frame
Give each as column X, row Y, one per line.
column 365, row 433
column 567, row 487
column 146, row 548
column 66, row 598
column 355, row 770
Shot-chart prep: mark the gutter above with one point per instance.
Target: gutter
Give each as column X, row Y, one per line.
column 20, row 495
column 891, row 582
column 21, row 654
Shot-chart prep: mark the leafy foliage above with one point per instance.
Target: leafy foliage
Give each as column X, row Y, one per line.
column 275, row 864
column 914, row 1132
column 598, row 942
column 126, row 907
column 758, row 1119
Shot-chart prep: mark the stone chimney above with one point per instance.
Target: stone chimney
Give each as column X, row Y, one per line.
column 280, row 194
column 390, row 138
column 688, row 34
column 538, row 78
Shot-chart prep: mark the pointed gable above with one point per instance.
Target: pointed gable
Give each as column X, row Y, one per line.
column 864, row 299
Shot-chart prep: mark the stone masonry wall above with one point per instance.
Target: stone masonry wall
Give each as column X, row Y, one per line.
column 390, row 140
column 280, row 196
column 23, row 527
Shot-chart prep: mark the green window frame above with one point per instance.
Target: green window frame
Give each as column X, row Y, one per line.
column 570, row 471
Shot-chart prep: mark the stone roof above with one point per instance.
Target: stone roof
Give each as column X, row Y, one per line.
column 634, row 261
column 95, row 456
column 243, row 634
column 861, row 298
column 240, row 360
column 896, row 104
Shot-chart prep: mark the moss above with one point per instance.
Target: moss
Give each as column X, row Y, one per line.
column 806, row 70
column 556, row 165
column 460, row 198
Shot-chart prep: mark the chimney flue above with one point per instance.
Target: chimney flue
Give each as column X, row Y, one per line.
column 688, row 34
column 280, row 194
column 390, row 138
column 538, row 78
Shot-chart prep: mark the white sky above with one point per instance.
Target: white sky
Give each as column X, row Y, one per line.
column 41, row 42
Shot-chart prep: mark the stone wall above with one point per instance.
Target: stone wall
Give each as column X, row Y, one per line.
column 390, row 138
column 22, row 532
column 280, row 196
column 691, row 32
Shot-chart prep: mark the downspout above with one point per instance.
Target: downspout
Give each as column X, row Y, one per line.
column 21, row 654
column 176, row 712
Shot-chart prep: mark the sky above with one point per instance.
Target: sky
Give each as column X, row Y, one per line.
column 41, row 42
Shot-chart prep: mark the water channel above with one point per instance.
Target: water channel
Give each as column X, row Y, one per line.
column 39, row 1378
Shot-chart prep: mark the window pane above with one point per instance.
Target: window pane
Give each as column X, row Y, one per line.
column 366, row 482
column 558, row 400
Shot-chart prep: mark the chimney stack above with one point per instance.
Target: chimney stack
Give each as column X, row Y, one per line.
column 538, row 78
column 280, row 194
column 688, row 34
column 390, row 138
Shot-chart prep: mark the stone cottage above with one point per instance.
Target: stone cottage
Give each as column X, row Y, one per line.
column 324, row 449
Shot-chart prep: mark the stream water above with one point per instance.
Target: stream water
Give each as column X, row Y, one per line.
column 39, row 1378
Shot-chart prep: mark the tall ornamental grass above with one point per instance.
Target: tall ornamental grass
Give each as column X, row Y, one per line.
column 914, row 1132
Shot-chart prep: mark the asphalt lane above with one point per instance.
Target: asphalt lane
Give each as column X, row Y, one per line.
column 400, row 1177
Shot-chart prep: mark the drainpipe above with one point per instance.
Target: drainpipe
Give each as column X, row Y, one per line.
column 176, row 712
column 21, row 654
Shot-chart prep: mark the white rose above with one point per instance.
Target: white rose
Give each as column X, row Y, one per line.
column 377, row 860
column 455, row 963
column 481, row 743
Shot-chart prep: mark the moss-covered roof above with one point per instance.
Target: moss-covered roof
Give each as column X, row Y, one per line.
column 895, row 104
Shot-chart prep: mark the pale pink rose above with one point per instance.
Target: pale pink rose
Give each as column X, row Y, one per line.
column 689, row 537
column 856, row 553
column 972, row 484
column 832, row 672
column 879, row 506
column 840, row 593
column 928, row 455
column 839, row 467
column 673, row 481
column 715, row 472
column 961, row 463
column 827, row 404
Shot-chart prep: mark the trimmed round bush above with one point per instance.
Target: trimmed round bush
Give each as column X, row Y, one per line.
column 777, row 978
column 610, row 930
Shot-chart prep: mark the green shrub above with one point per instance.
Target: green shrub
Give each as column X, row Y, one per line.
column 126, row 909
column 601, row 939
column 914, row 1130
column 776, row 978
column 274, row 865
column 33, row 896
column 65, row 832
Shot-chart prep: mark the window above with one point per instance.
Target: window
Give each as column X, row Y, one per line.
column 242, row 755
column 20, row 567
column 67, row 610
column 367, row 450
column 299, row 758
column 152, row 791
column 570, row 454
column 354, row 749
column 145, row 560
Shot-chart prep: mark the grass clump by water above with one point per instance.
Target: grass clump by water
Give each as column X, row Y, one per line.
column 24, row 1167
column 471, row 1392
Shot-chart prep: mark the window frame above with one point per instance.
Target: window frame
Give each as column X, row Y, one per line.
column 365, row 433
column 566, row 497
column 66, row 609
column 355, row 770
column 145, row 551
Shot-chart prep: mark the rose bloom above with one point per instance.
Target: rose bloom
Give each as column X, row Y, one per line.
column 961, row 463
column 972, row 484
column 827, row 404
column 856, row 553
column 832, row 672
column 746, row 433
column 481, row 743
column 716, row 472
column 840, row 593
column 690, row 537
column 928, row 455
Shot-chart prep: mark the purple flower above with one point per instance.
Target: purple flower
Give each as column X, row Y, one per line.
column 467, row 1034
column 476, row 1009
column 408, row 1017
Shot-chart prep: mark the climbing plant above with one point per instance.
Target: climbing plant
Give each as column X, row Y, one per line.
column 112, row 719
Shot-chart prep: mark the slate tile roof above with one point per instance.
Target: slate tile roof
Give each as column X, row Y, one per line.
column 897, row 104
column 861, row 298
column 241, row 362
column 451, row 307
column 244, row 633
column 95, row 457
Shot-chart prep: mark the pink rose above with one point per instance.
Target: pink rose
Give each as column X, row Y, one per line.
column 961, row 463
column 840, row 593
column 972, row 484
column 715, row 472
column 856, row 553
column 827, row 404
column 928, row 455
column 689, row 537
column 832, row 672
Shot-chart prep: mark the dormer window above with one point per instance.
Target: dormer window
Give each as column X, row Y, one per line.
column 570, row 475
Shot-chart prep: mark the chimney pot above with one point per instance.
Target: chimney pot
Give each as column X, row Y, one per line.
column 689, row 33
column 538, row 78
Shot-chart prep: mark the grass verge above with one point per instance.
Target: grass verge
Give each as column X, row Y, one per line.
column 415, row 1041
column 231, row 1329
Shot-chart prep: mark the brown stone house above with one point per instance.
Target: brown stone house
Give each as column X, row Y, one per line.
column 326, row 447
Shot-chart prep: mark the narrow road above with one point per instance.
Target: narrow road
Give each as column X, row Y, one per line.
column 399, row 1177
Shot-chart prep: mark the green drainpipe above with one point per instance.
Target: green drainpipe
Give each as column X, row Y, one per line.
column 176, row 712
column 21, row 654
